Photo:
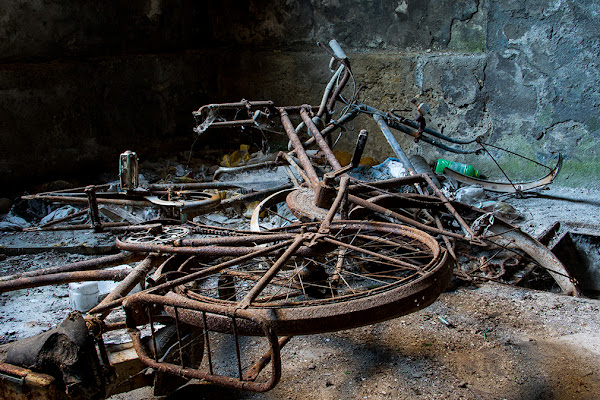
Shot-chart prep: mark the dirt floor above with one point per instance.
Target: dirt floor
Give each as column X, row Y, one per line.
column 489, row 341
column 503, row 343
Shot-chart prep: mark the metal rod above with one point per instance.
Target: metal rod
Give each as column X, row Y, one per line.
column 319, row 138
column 135, row 277
column 340, row 87
column 294, row 165
column 449, row 246
column 90, row 191
column 203, row 273
column 389, row 136
column 239, row 104
column 207, row 342
column 154, row 348
column 232, row 240
column 389, row 213
column 253, row 372
column 237, row 348
column 100, row 200
column 270, row 274
column 333, row 125
column 63, row 278
column 302, row 156
column 190, row 186
column 106, row 226
column 341, row 195
column 96, row 263
column 175, row 310
column 449, row 206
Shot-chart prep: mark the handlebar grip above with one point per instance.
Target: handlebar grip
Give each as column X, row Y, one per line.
column 361, row 141
column 337, row 49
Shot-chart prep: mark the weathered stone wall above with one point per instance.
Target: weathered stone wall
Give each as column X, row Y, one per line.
column 81, row 83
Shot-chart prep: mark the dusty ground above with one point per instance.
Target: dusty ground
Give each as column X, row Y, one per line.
column 503, row 342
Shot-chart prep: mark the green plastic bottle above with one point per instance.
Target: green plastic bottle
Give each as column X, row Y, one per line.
column 461, row 168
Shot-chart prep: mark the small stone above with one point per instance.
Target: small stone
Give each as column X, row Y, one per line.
column 463, row 384
column 312, row 366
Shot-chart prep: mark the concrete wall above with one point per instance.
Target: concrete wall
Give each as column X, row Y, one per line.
column 81, row 83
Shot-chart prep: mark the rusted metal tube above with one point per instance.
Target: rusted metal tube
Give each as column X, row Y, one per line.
column 239, row 104
column 73, row 191
column 79, row 227
column 131, row 228
column 190, row 186
column 387, row 212
column 253, row 372
column 27, row 384
column 342, row 193
column 293, row 164
column 214, row 378
column 449, row 206
column 13, row 370
column 231, row 124
column 319, row 138
column 250, row 197
column 90, row 191
column 257, row 252
column 385, row 184
column 100, row 200
column 232, row 240
column 212, row 251
column 333, row 125
column 87, row 265
column 270, row 274
column 302, row 156
column 449, row 246
column 138, row 273
column 63, row 277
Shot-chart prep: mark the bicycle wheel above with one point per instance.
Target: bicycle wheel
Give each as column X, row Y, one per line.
column 504, row 253
column 357, row 274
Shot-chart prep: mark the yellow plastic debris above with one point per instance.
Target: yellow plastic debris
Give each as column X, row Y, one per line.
column 238, row 157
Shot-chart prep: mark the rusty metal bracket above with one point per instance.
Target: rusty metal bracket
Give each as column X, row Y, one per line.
column 180, row 306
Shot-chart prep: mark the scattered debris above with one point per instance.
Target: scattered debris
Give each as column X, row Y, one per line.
column 348, row 245
column 577, row 245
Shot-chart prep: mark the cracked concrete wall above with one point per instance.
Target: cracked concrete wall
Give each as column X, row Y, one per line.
column 524, row 74
column 81, row 83
column 542, row 80
column 363, row 24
